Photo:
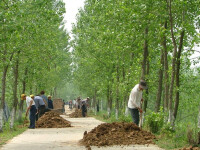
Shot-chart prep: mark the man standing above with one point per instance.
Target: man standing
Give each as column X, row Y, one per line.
column 30, row 106
column 135, row 99
column 40, row 105
column 84, row 105
column 44, row 97
column 50, row 102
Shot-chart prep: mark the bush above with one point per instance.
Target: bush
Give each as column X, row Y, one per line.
column 155, row 121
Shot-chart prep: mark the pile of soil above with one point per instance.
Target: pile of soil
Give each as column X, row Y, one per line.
column 117, row 133
column 76, row 114
column 58, row 104
column 52, row 120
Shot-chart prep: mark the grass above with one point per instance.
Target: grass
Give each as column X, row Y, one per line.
column 103, row 116
column 8, row 133
column 170, row 143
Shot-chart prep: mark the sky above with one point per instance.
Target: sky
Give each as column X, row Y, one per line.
column 72, row 7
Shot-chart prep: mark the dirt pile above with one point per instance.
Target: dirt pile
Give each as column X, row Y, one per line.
column 76, row 114
column 117, row 133
column 52, row 120
column 58, row 104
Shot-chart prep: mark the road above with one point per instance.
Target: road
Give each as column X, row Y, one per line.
column 63, row 138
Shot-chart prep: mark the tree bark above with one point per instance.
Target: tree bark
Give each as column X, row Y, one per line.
column 145, row 53
column 164, row 44
column 3, row 91
column 23, row 91
column 3, row 85
column 173, row 65
column 160, row 74
column 109, row 100
column 15, row 100
column 101, row 105
column 147, row 90
column 145, row 65
column 94, row 101
column 178, row 64
column 117, row 96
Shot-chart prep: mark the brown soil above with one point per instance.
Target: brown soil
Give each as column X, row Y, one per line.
column 58, row 104
column 76, row 114
column 52, row 120
column 117, row 133
column 190, row 148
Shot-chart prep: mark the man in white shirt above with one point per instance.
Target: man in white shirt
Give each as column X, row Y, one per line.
column 135, row 99
column 30, row 106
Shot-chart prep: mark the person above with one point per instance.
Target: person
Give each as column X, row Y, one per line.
column 70, row 104
column 45, row 98
column 40, row 105
column 79, row 103
column 135, row 99
column 30, row 107
column 84, row 105
column 50, row 102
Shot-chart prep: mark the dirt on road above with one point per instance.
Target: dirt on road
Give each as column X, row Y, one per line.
column 117, row 133
column 65, row 138
column 76, row 114
column 52, row 120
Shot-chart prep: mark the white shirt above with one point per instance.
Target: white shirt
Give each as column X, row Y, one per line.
column 135, row 97
column 28, row 100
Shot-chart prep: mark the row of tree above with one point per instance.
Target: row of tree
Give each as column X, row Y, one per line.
column 118, row 42
column 33, row 51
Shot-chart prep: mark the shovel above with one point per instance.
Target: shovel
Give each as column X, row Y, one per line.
column 140, row 123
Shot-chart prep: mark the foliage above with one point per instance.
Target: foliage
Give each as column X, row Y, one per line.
column 155, row 121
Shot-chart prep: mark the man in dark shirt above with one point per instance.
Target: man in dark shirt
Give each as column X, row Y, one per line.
column 40, row 106
column 45, row 98
column 84, row 105
column 50, row 102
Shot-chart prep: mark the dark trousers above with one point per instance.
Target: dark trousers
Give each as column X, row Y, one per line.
column 135, row 115
column 41, row 110
column 32, row 116
column 84, row 110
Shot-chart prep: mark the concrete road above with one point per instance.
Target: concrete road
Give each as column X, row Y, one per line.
column 63, row 138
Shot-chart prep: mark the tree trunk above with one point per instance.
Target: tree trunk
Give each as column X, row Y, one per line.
column 94, row 101
column 178, row 64
column 3, row 91
column 108, row 101
column 101, row 108
column 164, row 44
column 15, row 100
column 173, row 65
column 117, row 96
column 145, row 53
column 160, row 74
column 109, row 98
column 23, row 91
column 145, row 65
column 147, row 90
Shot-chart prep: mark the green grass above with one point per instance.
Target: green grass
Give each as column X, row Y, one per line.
column 103, row 116
column 8, row 134
column 170, row 143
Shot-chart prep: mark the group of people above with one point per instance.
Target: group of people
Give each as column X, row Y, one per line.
column 37, row 106
column 80, row 104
